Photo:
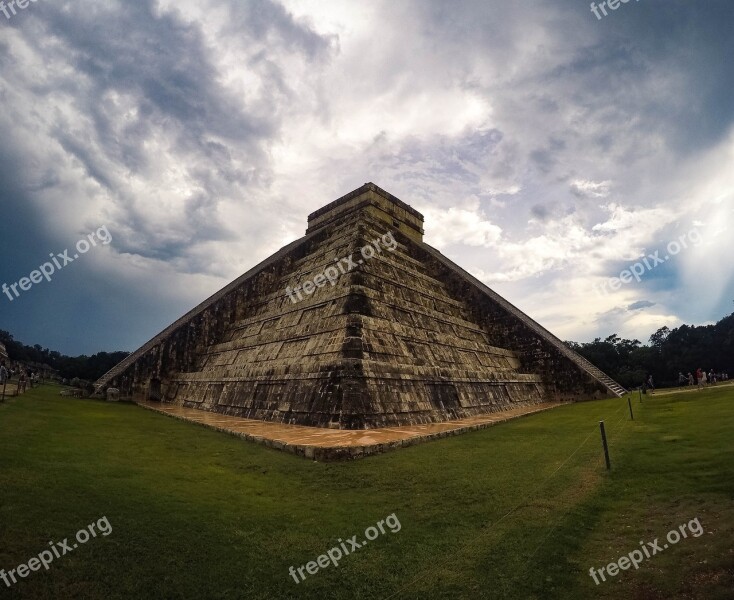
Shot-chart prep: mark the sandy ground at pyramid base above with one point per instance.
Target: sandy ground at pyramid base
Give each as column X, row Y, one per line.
column 333, row 444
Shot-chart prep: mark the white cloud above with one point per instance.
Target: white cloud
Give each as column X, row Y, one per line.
column 583, row 188
column 461, row 226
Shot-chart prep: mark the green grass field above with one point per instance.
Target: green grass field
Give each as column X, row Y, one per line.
column 518, row 511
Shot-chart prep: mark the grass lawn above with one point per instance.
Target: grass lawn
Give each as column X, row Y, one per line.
column 518, row 511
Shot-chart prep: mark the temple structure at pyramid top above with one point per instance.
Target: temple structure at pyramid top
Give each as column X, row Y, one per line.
column 376, row 202
column 358, row 324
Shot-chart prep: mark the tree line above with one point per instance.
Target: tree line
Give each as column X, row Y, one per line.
column 629, row 362
column 89, row 368
column 669, row 352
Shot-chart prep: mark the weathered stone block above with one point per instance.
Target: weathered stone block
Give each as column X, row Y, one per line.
column 403, row 335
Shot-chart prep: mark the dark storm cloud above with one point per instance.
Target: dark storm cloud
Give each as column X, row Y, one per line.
column 166, row 75
column 162, row 66
column 639, row 305
column 694, row 38
column 138, row 88
column 540, row 211
column 18, row 223
column 263, row 18
column 159, row 59
column 608, row 63
column 85, row 155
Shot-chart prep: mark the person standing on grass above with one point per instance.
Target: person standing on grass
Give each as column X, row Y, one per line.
column 681, row 379
column 21, row 381
column 700, row 378
column 3, row 379
column 691, row 381
column 650, row 384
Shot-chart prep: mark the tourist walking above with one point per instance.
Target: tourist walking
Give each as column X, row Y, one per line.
column 3, row 377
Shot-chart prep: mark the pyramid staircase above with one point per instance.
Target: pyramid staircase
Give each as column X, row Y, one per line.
column 403, row 336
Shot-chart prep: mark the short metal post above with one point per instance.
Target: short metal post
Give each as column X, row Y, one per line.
column 604, row 443
column 629, row 403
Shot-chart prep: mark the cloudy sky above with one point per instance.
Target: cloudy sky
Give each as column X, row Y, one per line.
column 548, row 149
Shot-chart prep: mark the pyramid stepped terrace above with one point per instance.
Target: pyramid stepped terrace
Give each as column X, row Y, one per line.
column 357, row 325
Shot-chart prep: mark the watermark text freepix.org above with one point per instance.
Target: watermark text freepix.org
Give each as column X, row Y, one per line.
column 334, row 555
column 649, row 549
column 58, row 549
column 12, row 4
column 612, row 4
column 637, row 270
column 331, row 274
column 58, row 262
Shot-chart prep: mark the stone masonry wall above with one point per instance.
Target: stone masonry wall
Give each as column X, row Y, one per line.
column 401, row 338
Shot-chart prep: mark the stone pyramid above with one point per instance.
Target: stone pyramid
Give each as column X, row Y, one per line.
column 359, row 324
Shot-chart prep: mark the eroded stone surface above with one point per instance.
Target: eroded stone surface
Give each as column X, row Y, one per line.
column 403, row 337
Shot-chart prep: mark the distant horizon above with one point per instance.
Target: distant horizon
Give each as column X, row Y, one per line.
column 644, row 342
